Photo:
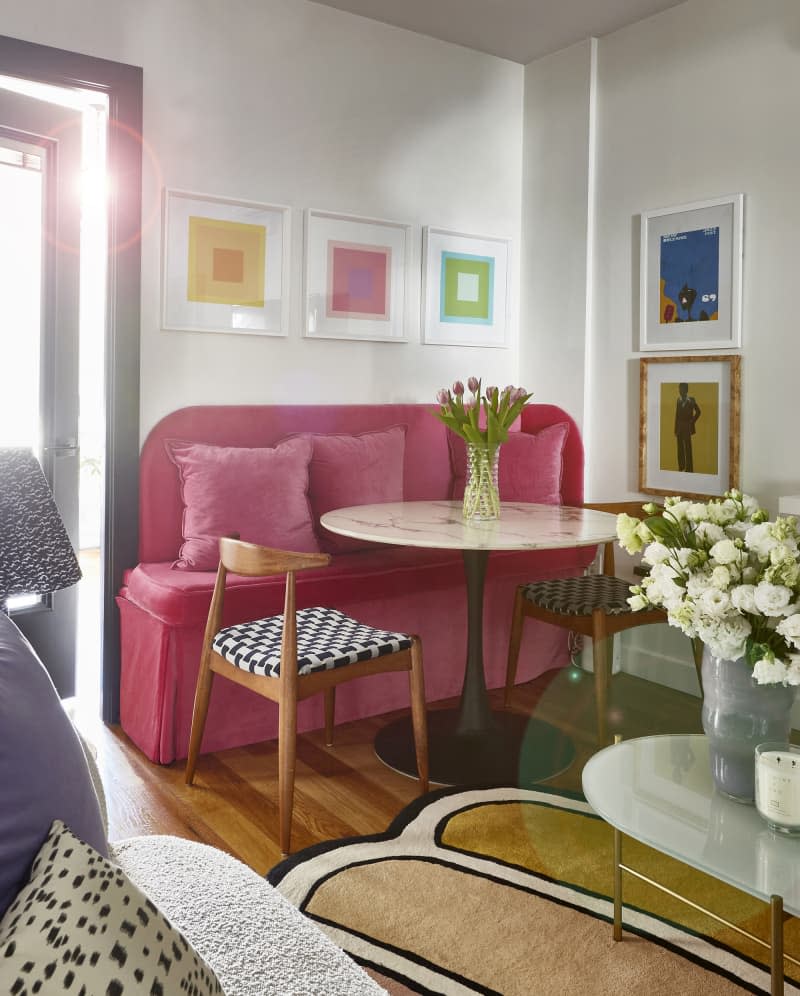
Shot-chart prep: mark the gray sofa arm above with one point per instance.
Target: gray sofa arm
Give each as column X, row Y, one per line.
column 253, row 938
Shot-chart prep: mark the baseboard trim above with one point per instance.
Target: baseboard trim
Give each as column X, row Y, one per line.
column 674, row 673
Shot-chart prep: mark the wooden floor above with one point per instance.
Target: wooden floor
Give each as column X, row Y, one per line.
column 343, row 790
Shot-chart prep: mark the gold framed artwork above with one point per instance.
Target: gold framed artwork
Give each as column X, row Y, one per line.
column 689, row 425
column 225, row 265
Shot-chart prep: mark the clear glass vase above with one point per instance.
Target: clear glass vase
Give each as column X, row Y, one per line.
column 481, row 493
column 739, row 714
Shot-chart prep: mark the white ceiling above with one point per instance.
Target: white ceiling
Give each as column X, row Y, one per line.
column 520, row 30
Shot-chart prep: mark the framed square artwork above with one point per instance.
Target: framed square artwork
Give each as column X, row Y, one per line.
column 691, row 276
column 225, row 265
column 465, row 289
column 689, row 425
column 356, row 272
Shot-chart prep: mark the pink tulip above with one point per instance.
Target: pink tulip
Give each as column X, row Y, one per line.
column 473, row 384
column 458, row 389
column 518, row 394
column 443, row 396
column 491, row 393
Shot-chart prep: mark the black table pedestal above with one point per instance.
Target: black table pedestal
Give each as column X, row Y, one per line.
column 473, row 745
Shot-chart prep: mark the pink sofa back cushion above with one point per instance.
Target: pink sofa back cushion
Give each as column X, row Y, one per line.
column 426, row 470
column 531, row 465
column 354, row 470
column 262, row 494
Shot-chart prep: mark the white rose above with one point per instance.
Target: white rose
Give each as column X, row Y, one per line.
column 790, row 629
column 770, row 672
column 698, row 583
column 725, row 637
column 682, row 616
column 656, row 553
column 714, row 603
column 697, row 512
column 708, row 533
column 724, row 552
column 751, row 505
column 662, row 590
column 772, row 599
column 760, row 540
column 793, row 670
column 720, row 578
column 627, row 534
column 677, row 510
column 638, row 602
column 743, row 598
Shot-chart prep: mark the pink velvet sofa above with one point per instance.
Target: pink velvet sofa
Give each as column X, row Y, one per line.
column 164, row 608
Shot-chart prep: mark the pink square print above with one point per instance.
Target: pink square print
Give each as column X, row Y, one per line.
column 359, row 279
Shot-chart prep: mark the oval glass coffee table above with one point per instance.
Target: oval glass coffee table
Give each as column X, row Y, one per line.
column 472, row 744
column 659, row 791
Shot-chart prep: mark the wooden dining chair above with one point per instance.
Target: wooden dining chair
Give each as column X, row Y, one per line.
column 290, row 657
column 595, row 605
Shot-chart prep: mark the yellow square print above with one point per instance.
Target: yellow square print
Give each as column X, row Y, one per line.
column 226, row 262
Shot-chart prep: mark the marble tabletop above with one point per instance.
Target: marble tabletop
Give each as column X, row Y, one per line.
column 440, row 524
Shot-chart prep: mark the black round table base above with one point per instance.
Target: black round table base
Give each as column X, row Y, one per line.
column 519, row 750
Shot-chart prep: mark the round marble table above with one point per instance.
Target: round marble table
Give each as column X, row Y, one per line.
column 473, row 745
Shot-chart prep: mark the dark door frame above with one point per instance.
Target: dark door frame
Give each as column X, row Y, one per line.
column 123, row 86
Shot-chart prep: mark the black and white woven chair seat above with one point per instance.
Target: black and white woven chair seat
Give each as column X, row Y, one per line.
column 326, row 639
column 581, row 596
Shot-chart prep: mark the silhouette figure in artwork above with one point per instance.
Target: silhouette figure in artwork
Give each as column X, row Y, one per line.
column 686, row 299
column 687, row 412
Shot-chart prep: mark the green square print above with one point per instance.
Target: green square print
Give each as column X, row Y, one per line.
column 467, row 284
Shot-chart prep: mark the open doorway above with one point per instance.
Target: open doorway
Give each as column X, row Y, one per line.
column 121, row 84
column 53, row 251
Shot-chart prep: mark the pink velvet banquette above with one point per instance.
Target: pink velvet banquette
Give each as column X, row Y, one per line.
column 269, row 472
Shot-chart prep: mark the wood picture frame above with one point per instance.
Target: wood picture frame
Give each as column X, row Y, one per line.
column 689, row 411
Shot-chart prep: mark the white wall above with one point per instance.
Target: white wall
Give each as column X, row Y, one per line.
column 697, row 102
column 555, row 223
column 289, row 102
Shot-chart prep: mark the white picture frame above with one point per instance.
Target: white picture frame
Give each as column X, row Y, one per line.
column 356, row 277
column 225, row 265
column 465, row 293
column 690, row 276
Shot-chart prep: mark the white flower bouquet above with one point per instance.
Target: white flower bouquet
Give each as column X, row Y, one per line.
column 723, row 573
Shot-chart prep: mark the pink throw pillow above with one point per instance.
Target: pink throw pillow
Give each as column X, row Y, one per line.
column 531, row 465
column 262, row 494
column 354, row 470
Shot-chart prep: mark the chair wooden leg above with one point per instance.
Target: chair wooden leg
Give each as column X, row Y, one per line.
column 202, row 695
column 514, row 641
column 287, row 754
column 697, row 653
column 600, row 657
column 330, row 712
column 419, row 717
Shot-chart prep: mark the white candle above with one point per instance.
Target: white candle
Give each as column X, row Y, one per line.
column 778, row 785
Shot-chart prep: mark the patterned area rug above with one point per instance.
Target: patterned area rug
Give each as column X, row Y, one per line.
column 507, row 891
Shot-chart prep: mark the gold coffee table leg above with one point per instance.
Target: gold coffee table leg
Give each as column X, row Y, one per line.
column 776, row 944
column 617, row 885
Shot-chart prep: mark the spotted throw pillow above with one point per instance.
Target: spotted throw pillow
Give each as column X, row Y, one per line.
column 81, row 926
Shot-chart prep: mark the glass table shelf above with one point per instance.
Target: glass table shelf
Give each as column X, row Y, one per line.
column 658, row 790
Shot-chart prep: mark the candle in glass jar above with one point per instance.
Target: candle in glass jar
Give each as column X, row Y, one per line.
column 778, row 785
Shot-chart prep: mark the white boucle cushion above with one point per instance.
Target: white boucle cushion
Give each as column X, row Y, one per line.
column 80, row 925
column 255, row 940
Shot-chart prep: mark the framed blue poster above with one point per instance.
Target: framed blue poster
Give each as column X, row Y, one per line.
column 691, row 276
